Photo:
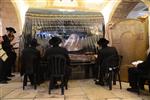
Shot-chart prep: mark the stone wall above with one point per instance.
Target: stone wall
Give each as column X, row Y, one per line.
column 130, row 37
column 9, row 15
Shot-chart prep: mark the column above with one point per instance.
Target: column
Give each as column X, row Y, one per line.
column 148, row 31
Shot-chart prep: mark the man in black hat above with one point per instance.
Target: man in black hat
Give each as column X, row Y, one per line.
column 6, row 45
column 105, row 54
column 27, row 66
column 57, row 50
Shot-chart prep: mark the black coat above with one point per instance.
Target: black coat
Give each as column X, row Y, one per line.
column 145, row 66
column 107, row 55
column 30, row 59
column 7, row 46
column 1, row 67
column 57, row 51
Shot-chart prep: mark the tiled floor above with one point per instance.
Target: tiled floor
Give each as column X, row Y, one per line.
column 77, row 90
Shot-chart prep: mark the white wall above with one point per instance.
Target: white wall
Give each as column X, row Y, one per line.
column 137, row 11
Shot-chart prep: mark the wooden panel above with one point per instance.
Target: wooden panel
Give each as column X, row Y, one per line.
column 130, row 39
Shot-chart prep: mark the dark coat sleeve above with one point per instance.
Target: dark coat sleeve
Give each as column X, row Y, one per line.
column 6, row 45
column 22, row 71
column 45, row 55
column 145, row 66
column 67, row 56
column 99, row 57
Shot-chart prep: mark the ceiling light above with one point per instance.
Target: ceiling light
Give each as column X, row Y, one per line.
column 70, row 0
column 94, row 1
column 65, row 3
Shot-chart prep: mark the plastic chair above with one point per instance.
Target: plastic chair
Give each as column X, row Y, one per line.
column 113, row 73
column 57, row 67
column 109, row 69
column 30, row 69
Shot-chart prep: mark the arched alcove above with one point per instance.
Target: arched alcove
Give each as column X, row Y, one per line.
column 123, row 8
column 9, row 16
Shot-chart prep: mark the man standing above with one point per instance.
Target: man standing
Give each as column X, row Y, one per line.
column 6, row 45
column 3, row 58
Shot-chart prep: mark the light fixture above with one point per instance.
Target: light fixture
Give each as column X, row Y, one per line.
column 65, row 3
column 70, row 0
column 69, row 10
column 94, row 1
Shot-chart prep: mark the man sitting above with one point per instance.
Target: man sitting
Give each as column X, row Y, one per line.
column 107, row 56
column 57, row 50
column 27, row 67
column 135, row 72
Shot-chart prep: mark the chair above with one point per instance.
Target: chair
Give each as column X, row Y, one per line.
column 30, row 70
column 147, row 78
column 57, row 67
column 111, row 68
column 113, row 72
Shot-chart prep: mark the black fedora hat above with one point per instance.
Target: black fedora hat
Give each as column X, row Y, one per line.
column 11, row 29
column 34, row 42
column 55, row 41
column 102, row 41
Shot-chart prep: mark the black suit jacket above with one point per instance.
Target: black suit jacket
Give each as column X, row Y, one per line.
column 108, row 56
column 7, row 46
column 57, row 51
column 30, row 59
column 145, row 66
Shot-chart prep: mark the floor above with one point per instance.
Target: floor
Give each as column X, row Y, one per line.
column 77, row 90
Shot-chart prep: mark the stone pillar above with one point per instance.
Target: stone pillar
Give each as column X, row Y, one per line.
column 1, row 31
column 148, row 31
column 1, row 26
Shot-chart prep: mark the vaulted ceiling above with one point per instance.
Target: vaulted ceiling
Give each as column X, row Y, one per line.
column 121, row 11
column 111, row 9
column 94, row 5
column 84, row 5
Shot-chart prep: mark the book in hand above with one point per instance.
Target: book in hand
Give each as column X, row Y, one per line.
column 135, row 63
column 3, row 55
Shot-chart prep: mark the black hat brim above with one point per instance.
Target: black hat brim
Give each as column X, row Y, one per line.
column 11, row 29
column 102, row 41
column 34, row 42
column 55, row 41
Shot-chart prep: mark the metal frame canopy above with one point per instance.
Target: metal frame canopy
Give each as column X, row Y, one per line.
column 62, row 21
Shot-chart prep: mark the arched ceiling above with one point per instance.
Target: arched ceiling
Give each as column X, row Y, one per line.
column 124, row 8
column 139, row 10
column 94, row 5
column 111, row 9
column 84, row 5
